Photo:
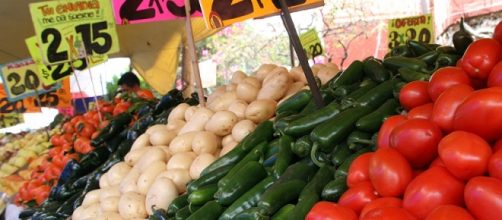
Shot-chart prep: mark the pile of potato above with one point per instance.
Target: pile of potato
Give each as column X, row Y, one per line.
column 166, row 157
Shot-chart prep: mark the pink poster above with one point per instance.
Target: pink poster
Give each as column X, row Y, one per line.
column 140, row 11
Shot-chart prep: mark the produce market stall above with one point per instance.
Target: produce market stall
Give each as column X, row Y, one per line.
column 414, row 134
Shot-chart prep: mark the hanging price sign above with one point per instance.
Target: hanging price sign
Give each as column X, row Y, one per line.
column 21, row 80
column 140, row 11
column 51, row 74
column 59, row 98
column 311, row 43
column 221, row 13
column 418, row 28
column 10, row 119
column 70, row 30
column 20, row 106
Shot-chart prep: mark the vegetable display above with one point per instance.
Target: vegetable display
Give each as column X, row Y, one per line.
column 443, row 162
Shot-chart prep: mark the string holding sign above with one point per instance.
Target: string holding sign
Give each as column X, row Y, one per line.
column 61, row 32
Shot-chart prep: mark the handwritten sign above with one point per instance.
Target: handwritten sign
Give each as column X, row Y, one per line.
column 21, row 80
column 59, row 98
column 20, row 106
column 140, row 11
column 311, row 43
column 221, row 13
column 51, row 74
column 10, row 119
column 419, row 28
column 70, row 30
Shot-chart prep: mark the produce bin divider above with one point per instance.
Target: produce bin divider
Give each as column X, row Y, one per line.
column 302, row 57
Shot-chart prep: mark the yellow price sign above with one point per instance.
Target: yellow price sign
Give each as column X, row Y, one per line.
column 70, row 30
column 221, row 13
column 418, row 28
column 51, row 74
column 311, row 43
column 21, row 80
column 10, row 119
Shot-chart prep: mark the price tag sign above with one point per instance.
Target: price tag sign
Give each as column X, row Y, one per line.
column 418, row 28
column 10, row 119
column 59, row 98
column 140, row 11
column 20, row 106
column 70, row 30
column 221, row 13
column 21, row 80
column 51, row 74
column 311, row 43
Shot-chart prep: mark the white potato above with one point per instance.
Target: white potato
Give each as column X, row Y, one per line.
column 91, row 211
column 221, row 123
column 276, row 87
column 180, row 178
column 327, row 73
column 228, row 139
column 231, row 87
column 132, row 205
column 182, row 143
column 142, row 141
column 178, row 113
column 133, row 156
column 108, row 192
column 175, row 125
column 117, row 173
column 162, row 137
column 223, row 101
column 110, row 204
column 261, row 110
column 274, row 73
column 151, row 155
column 162, row 192
column 247, row 92
column 109, row 216
column 205, row 142
column 242, row 129
column 238, row 107
column 253, row 81
column 238, row 76
column 154, row 128
column 148, row 176
column 316, row 67
column 215, row 94
column 228, row 148
column 263, row 71
column 181, row 160
column 128, row 184
column 91, row 198
column 200, row 163
column 103, row 181
column 190, row 112
column 197, row 121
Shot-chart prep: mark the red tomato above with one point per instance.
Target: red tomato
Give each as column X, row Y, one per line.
column 497, row 146
column 423, row 111
column 77, row 119
column 121, row 107
column 52, row 172
column 85, row 129
column 358, row 196
column 383, row 138
column 416, row 140
column 483, row 197
column 497, row 33
column 381, row 203
column 437, row 162
column 41, row 193
column 388, row 213
column 145, row 94
column 480, row 57
column 495, row 77
column 414, row 94
column 478, row 83
column 103, row 124
column 447, row 103
column 389, row 172
column 480, row 114
column 358, row 170
column 434, row 187
column 495, row 165
column 445, row 78
column 464, row 154
column 330, row 211
column 448, row 212
column 55, row 151
column 58, row 161
column 82, row 145
column 68, row 128
column 56, row 140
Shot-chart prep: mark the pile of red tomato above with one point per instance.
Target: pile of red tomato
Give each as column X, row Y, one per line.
column 72, row 143
column 443, row 160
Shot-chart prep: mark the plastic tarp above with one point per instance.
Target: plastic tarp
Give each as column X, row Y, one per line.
column 152, row 47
